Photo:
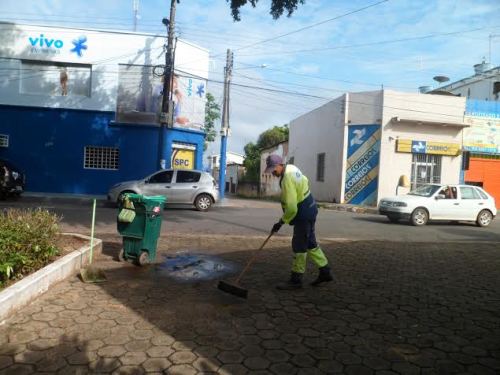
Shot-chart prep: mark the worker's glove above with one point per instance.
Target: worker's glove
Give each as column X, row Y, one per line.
column 277, row 226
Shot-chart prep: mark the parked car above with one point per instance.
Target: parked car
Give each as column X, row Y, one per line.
column 12, row 180
column 179, row 186
column 441, row 202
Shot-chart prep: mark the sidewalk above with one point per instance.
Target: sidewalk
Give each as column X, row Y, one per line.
column 394, row 309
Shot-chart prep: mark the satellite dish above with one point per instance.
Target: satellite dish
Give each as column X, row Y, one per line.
column 441, row 79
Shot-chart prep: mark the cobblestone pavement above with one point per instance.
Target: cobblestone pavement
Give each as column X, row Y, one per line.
column 394, row 309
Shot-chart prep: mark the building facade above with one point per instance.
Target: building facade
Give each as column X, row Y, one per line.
column 355, row 148
column 80, row 109
column 269, row 185
column 483, row 85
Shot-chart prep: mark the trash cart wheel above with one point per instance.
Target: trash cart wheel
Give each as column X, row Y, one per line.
column 121, row 255
column 143, row 258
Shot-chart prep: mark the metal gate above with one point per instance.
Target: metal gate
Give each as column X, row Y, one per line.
column 425, row 169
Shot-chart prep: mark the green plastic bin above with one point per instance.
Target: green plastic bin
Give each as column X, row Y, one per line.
column 140, row 237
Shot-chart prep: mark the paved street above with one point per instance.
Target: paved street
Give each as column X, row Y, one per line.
column 248, row 217
column 395, row 309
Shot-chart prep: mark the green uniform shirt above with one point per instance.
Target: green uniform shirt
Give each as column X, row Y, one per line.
column 294, row 189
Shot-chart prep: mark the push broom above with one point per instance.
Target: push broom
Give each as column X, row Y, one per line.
column 234, row 288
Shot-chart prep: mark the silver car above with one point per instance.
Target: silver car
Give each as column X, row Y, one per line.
column 179, row 186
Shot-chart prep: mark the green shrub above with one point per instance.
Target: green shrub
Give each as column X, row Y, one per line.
column 27, row 241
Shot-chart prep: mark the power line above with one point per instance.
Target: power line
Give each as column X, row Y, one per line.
column 369, row 44
column 313, row 25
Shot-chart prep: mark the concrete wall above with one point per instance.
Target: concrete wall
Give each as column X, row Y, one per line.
column 320, row 131
column 48, row 145
column 418, row 107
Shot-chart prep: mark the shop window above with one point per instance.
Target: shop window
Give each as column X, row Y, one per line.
column 4, row 140
column 320, row 167
column 55, row 79
column 188, row 176
column 425, row 169
column 162, row 178
column 101, row 158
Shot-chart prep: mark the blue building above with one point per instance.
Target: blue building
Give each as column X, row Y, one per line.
column 79, row 109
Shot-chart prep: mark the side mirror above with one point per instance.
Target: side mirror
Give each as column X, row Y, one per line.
column 146, row 181
column 440, row 196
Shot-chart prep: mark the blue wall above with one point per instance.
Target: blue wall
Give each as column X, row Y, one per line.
column 48, row 145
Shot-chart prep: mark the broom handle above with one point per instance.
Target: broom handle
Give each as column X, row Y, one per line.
column 252, row 259
column 92, row 234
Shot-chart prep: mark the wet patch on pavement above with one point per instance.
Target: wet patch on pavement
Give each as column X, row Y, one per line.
column 188, row 266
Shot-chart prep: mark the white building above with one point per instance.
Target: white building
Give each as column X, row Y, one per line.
column 231, row 158
column 355, row 148
column 483, row 85
column 269, row 185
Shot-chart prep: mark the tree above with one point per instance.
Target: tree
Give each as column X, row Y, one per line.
column 278, row 7
column 212, row 114
column 267, row 139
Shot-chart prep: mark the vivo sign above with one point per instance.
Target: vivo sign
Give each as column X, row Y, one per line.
column 47, row 45
column 41, row 41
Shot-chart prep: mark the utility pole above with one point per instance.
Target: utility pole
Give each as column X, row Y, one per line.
column 167, row 108
column 225, row 129
column 136, row 15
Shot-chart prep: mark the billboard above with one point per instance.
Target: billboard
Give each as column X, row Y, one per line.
column 483, row 135
column 140, row 97
column 362, row 169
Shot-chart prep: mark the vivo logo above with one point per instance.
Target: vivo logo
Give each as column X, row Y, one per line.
column 41, row 41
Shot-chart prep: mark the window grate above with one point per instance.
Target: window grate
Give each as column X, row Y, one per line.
column 320, row 167
column 425, row 169
column 4, row 140
column 102, row 158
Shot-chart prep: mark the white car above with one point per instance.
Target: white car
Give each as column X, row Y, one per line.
column 441, row 202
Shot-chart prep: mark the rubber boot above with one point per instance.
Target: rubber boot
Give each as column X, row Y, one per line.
column 325, row 275
column 295, row 282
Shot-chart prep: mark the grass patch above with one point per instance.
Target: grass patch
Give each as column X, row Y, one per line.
column 27, row 242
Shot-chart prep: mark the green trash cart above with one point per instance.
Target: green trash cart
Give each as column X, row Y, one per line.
column 139, row 222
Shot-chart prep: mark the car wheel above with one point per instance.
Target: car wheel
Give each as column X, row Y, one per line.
column 484, row 218
column 419, row 217
column 203, row 202
column 393, row 219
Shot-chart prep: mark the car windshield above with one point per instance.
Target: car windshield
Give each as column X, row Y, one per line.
column 425, row 190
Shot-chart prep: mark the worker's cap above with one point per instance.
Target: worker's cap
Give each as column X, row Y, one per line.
column 271, row 162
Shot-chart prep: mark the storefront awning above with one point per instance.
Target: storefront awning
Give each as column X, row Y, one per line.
column 398, row 120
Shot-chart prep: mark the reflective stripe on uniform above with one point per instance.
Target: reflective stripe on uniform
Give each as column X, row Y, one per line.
column 318, row 257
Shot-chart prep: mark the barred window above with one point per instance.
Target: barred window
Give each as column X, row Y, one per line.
column 102, row 158
column 320, row 167
column 4, row 140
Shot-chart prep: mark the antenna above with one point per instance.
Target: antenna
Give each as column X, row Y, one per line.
column 136, row 13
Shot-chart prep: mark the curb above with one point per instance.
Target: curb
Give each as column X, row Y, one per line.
column 348, row 208
column 32, row 286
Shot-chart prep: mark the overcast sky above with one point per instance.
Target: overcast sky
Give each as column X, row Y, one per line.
column 400, row 44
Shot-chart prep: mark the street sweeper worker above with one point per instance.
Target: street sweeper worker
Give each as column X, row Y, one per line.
column 299, row 210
